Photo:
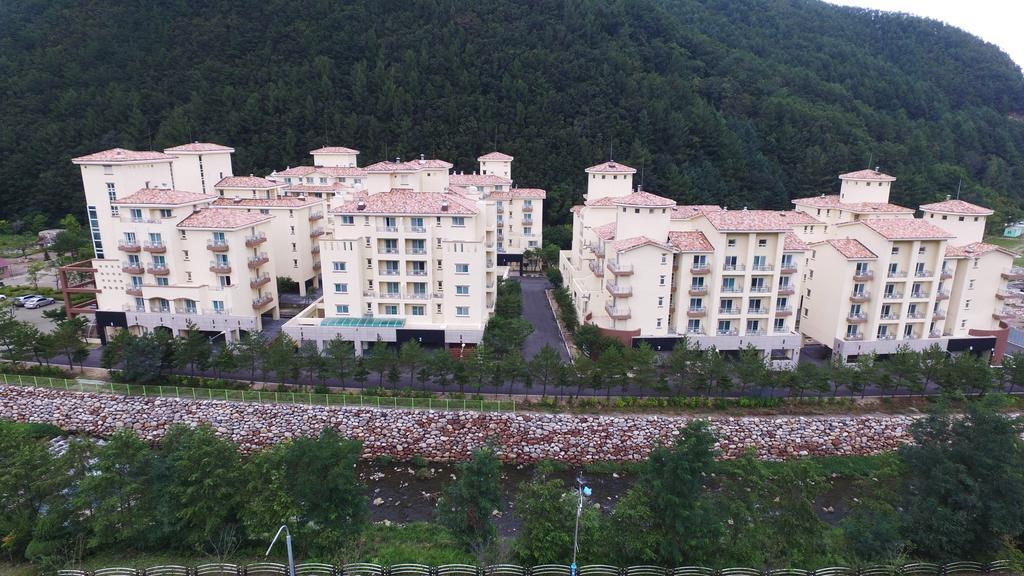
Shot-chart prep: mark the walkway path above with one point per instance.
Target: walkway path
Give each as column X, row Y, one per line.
column 537, row 311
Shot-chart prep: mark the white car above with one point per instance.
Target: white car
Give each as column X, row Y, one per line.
column 39, row 302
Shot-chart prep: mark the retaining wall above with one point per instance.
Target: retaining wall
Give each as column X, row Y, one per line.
column 440, row 435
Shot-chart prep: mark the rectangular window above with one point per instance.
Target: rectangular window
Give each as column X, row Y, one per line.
column 341, row 309
column 462, row 290
column 348, row 220
column 731, row 242
column 218, row 306
column 418, row 311
column 162, row 281
column 693, row 327
column 762, row 243
column 340, row 288
column 462, row 310
column 462, row 268
column 166, row 213
column 458, row 221
column 391, row 309
column 338, row 266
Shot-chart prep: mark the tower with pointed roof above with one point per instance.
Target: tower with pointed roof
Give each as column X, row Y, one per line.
column 335, row 157
column 609, row 180
column 200, row 165
column 497, row 164
column 964, row 220
column 865, row 186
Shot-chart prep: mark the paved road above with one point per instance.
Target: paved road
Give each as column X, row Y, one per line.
column 537, row 310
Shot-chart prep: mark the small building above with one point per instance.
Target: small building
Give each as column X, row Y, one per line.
column 1014, row 230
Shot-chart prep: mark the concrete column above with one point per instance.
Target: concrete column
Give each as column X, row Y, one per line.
column 276, row 312
column 302, row 288
column 357, row 345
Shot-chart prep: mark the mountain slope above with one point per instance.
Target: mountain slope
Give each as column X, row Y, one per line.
column 738, row 102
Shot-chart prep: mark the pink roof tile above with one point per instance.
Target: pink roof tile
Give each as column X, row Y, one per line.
column 606, row 231
column 405, row 201
column 867, row 175
column 280, row 202
column 641, row 198
column 247, row 182
column 222, row 218
column 957, row 207
column 757, row 220
column 496, row 156
column 689, row 211
column 975, row 249
column 903, row 228
column 410, row 166
column 515, row 193
column 478, row 180
column 610, row 167
column 334, row 150
column 576, row 209
column 164, row 197
column 832, row 202
column 199, row 147
column 115, row 155
column 792, row 243
column 335, row 171
column 311, row 188
column 606, row 201
column 637, row 242
column 690, row 242
column 851, row 248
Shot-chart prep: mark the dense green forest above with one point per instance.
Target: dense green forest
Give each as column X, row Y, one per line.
column 737, row 102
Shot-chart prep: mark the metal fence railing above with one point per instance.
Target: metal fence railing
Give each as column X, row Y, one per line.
column 262, row 396
column 1000, row 567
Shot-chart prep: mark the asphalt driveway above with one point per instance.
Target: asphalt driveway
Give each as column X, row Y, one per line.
column 537, row 311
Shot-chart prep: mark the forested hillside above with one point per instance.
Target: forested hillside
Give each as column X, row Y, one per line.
column 737, row 102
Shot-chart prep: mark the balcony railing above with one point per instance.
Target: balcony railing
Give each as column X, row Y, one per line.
column 695, row 331
column 261, row 280
column 416, row 229
column 886, row 336
column 787, row 268
column 421, row 251
column 760, row 289
column 1005, row 313
column 892, row 295
column 255, row 240
column 729, row 310
column 1015, row 273
column 757, row 332
column 763, row 267
column 415, row 272
column 158, row 269
column 217, row 245
column 527, row 208
column 889, row 317
column 783, row 310
column 923, row 273
column 733, row 267
column 220, row 267
column 1009, row 294
column 938, row 315
column 915, row 315
column 314, row 249
column 859, row 297
column 942, row 295
column 262, row 301
column 619, row 291
column 897, row 274
column 155, row 247
column 133, row 290
column 596, row 268
column 732, row 289
column 314, row 216
column 857, row 318
column 124, row 246
column 935, row 334
column 620, row 269
column 258, row 260
column 945, row 274
column 698, row 290
column 696, row 311
column 617, row 312
column 918, row 294
column 758, row 311
column 316, row 232
column 389, row 271
column 863, row 275
column 700, row 268
column 387, row 228
column 389, row 250
column 727, row 332
column 132, row 267
column 317, row 265
column 854, row 337
column 786, row 290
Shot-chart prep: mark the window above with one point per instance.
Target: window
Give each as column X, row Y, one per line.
column 338, row 266
column 661, row 301
column 762, row 243
column 920, row 250
column 218, row 306
column 418, row 311
column 341, row 309
column 731, row 242
column 462, row 268
column 967, row 304
column 462, row 290
column 391, row 309
column 693, row 326
column 527, row 231
column 162, row 281
column 188, row 276
column 658, row 323
column 340, row 288
column 348, row 220
column 661, row 280
column 664, row 258
column 458, row 221
column 462, row 310
column 108, row 169
column 970, row 284
column 895, row 249
column 779, row 325
column 724, row 326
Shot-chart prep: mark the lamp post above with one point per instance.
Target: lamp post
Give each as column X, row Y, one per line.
column 583, row 491
column 288, row 544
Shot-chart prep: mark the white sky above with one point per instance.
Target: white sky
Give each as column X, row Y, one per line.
column 995, row 21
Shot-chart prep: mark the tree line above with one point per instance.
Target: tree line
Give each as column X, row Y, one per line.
column 954, row 494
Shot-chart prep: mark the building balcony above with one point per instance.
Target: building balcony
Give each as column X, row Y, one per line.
column 314, row 249
column 757, row 332
column 763, row 268
column 389, row 250
column 854, row 337
column 261, row 301
column 416, row 272
column 133, row 291
column 132, row 267
column 889, row 317
column 255, row 240
column 939, row 315
column 158, row 269
column 620, row 269
column 596, row 268
column 858, row 318
column 763, row 311
column 619, row 291
column 261, row 280
column 945, row 274
column 923, row 273
column 417, row 295
column 220, row 267
column 896, row 274
column 597, row 248
column 784, row 311
column 391, row 295
column 617, row 312
column 787, row 268
column 387, row 229
column 942, row 295
column 935, row 334
column 155, row 247
column 892, row 295
column 259, row 260
column 734, row 289
column 423, row 251
column 697, row 312
column 1005, row 314
column 314, row 216
column 388, row 272
column 217, row 245
column 863, row 276
column 733, row 267
column 727, row 332
column 131, row 247
column 919, row 294
column 416, row 229
column 886, row 336
column 490, row 263
column 700, row 269
column 527, row 208
column 1015, row 273
column 915, row 315
column 760, row 289
column 316, row 232
column 730, row 311
column 317, row 265
column 698, row 291
column 786, row 290
column 1009, row 295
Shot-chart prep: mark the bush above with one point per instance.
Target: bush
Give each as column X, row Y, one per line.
column 566, row 309
column 554, row 276
column 35, row 370
column 285, row 284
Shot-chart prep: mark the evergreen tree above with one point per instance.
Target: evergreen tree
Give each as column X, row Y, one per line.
column 466, row 505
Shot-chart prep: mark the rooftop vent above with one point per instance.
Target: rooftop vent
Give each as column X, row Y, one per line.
column 361, row 205
column 444, row 206
column 237, row 199
column 398, row 159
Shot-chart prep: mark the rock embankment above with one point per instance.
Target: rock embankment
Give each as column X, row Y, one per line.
column 439, row 435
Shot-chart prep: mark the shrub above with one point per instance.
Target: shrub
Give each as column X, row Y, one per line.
column 554, row 276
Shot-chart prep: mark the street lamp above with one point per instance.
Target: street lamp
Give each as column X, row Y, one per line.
column 584, row 491
column 288, row 543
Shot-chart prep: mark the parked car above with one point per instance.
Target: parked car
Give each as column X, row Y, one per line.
column 39, row 302
column 21, row 300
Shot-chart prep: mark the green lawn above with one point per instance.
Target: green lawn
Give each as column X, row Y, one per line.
column 1014, row 244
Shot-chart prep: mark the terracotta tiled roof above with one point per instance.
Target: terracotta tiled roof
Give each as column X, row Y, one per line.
column 199, row 147
column 904, row 228
column 689, row 211
column 115, row 155
column 867, row 175
column 478, row 180
column 638, row 241
column 462, row 191
column 281, row 202
column 163, row 197
column 514, row 193
column 792, row 243
column 496, row 156
column 757, row 220
column 405, row 201
column 975, row 249
column 334, row 150
column 851, row 248
column 606, row 201
column 610, row 168
column 222, row 219
column 576, row 209
column 606, row 231
column 410, row 166
column 957, row 207
column 335, row 171
column 247, row 182
column 690, row 242
column 642, row 198
column 832, row 202
column 308, row 188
